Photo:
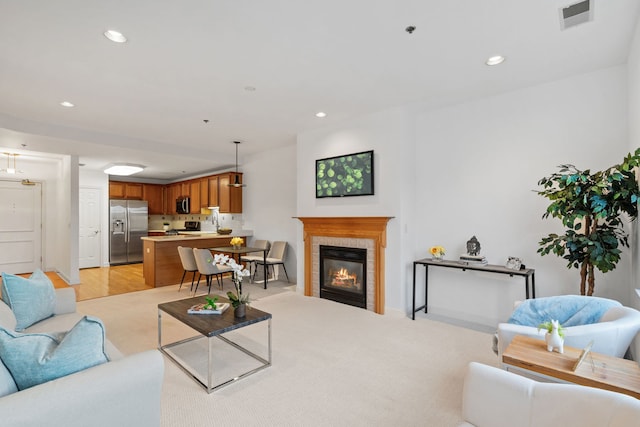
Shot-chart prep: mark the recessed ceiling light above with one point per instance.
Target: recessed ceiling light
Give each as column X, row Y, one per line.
column 67, row 104
column 123, row 169
column 115, row 36
column 321, row 114
column 495, row 60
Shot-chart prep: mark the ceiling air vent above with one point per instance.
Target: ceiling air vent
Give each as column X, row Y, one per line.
column 576, row 14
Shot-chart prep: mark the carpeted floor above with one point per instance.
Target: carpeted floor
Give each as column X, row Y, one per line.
column 333, row 365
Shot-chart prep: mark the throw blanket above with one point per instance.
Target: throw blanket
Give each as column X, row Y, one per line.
column 570, row 310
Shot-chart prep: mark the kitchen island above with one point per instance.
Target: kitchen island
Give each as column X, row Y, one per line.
column 161, row 262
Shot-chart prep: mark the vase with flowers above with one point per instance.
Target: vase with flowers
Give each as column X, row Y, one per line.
column 236, row 242
column 437, row 253
column 239, row 300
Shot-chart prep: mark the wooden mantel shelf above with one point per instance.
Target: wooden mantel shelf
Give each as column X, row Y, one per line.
column 368, row 227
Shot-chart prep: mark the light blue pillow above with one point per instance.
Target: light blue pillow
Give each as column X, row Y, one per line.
column 31, row 300
column 33, row 359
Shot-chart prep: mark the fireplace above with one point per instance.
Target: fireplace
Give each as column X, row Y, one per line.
column 364, row 232
column 343, row 275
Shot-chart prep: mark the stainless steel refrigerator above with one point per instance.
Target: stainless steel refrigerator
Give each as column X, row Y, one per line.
column 128, row 222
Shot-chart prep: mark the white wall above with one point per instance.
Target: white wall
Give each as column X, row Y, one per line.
column 389, row 134
column 633, row 72
column 479, row 163
column 471, row 169
column 269, row 200
column 67, row 232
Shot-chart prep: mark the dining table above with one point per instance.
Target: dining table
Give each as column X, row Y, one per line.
column 237, row 253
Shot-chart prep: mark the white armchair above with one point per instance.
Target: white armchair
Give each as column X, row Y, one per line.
column 497, row 398
column 611, row 335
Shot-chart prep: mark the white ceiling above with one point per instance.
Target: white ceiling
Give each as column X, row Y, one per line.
column 145, row 101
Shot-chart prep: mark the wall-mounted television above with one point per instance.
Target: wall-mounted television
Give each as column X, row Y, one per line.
column 347, row 175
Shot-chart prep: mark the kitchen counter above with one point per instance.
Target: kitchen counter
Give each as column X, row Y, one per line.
column 197, row 235
column 161, row 262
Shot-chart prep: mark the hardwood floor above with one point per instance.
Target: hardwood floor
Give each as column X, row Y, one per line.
column 103, row 281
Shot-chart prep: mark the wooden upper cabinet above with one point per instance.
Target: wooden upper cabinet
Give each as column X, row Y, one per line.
column 172, row 192
column 194, row 194
column 213, row 190
column 116, row 190
column 204, row 192
column 185, row 189
column 125, row 190
column 229, row 198
column 153, row 194
column 133, row 191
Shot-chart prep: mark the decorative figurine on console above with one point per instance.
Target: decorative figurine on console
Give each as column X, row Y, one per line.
column 473, row 257
column 473, row 246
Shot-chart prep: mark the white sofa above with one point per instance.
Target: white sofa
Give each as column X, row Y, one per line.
column 611, row 335
column 497, row 398
column 122, row 392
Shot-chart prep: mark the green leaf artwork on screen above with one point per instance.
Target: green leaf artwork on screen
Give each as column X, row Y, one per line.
column 344, row 176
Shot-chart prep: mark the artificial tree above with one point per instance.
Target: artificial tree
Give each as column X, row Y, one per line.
column 593, row 207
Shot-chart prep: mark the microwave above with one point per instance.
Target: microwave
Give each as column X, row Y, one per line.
column 183, row 205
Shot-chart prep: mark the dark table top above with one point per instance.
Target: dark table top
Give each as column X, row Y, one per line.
column 211, row 324
column 487, row 267
column 240, row 250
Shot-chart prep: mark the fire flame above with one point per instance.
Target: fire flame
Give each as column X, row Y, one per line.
column 344, row 279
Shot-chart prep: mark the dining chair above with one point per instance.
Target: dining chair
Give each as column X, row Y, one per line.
column 251, row 257
column 206, row 268
column 188, row 264
column 276, row 256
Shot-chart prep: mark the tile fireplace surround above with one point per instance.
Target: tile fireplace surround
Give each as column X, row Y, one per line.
column 368, row 233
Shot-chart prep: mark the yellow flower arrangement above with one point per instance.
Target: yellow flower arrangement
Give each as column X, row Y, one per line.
column 236, row 241
column 437, row 251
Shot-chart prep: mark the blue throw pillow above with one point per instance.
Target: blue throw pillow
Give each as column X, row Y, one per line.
column 31, row 300
column 33, row 359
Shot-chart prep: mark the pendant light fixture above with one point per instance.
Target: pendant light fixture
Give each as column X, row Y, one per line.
column 236, row 181
column 11, row 166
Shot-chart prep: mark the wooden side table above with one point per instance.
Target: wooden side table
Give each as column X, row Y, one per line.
column 606, row 372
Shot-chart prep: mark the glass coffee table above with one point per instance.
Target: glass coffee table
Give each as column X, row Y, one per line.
column 199, row 355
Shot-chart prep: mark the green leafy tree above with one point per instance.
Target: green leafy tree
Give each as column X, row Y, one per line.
column 593, row 207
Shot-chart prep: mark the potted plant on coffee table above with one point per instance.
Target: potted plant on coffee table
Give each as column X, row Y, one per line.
column 239, row 300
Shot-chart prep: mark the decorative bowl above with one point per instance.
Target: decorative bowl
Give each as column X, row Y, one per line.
column 224, row 231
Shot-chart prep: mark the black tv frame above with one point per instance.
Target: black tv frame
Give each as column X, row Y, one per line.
column 342, row 188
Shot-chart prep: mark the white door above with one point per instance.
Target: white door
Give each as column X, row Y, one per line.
column 90, row 220
column 20, row 227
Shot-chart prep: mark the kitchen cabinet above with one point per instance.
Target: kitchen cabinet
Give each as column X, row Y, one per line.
column 185, row 189
column 125, row 190
column 173, row 192
column 213, row 190
column 161, row 265
column 207, row 191
column 229, row 198
column 194, row 194
column 204, row 192
column 153, row 194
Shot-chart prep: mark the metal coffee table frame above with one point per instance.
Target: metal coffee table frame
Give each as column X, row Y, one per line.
column 210, row 327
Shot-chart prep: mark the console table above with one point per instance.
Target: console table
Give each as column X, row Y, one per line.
column 529, row 354
column 489, row 268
